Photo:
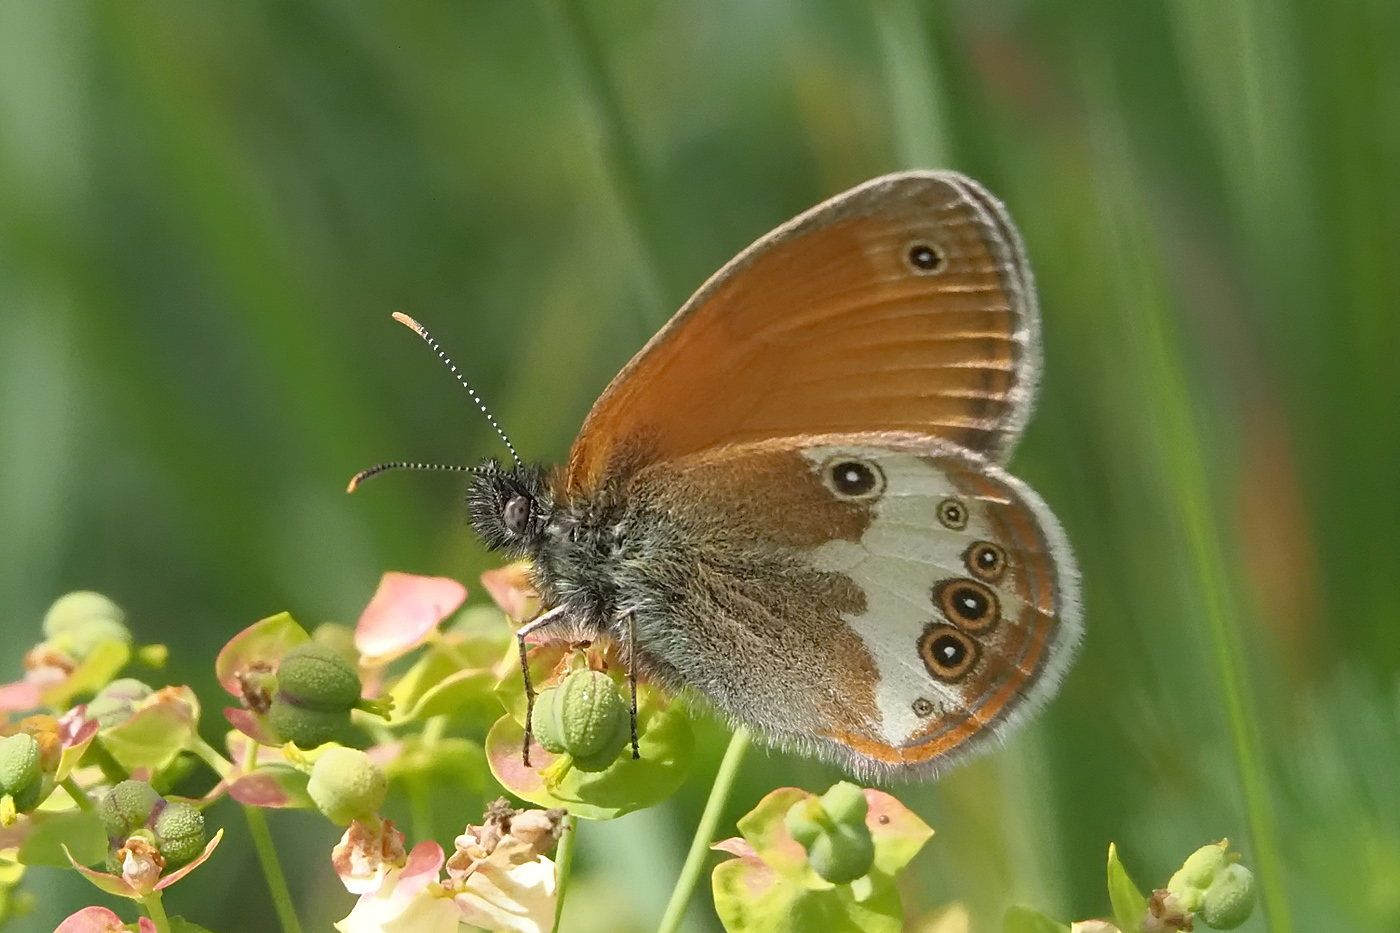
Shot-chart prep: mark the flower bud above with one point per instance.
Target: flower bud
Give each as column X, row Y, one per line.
column 347, row 785
column 839, row 850
column 1229, row 900
column 21, row 770
column 127, row 807
column 306, row 727
column 115, row 702
column 79, row 622
column 315, row 676
column 179, row 830
column 1197, row 872
column 81, row 609
column 585, row 717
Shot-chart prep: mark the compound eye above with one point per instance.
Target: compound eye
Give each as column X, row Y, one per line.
column 516, row 514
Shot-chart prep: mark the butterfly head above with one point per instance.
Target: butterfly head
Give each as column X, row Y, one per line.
column 509, row 506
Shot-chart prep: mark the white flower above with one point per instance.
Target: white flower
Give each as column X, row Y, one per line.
column 512, row 889
column 364, row 856
column 497, row 879
column 408, row 900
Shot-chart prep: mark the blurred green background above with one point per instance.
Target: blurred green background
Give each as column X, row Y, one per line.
column 207, row 212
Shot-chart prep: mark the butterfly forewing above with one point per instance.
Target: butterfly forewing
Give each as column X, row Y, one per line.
column 904, row 304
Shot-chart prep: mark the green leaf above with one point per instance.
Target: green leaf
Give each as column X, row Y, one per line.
column 92, row 674
column 454, row 759
column 897, row 831
column 765, row 828
column 480, row 635
column 431, row 668
column 274, row 785
column 153, row 736
column 750, row 897
column 468, row 695
column 1129, row 906
column 260, row 645
column 1029, row 920
column 666, row 742
column 50, row 830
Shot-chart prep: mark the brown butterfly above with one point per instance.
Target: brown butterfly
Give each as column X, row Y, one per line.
column 792, row 500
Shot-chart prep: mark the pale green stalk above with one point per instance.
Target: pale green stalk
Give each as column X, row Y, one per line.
column 79, row 795
column 156, row 911
column 694, row 865
column 617, row 150
column 912, row 85
column 211, row 757
column 564, row 860
column 1170, row 402
column 272, row 869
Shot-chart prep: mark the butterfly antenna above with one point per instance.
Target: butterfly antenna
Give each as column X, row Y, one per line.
column 373, row 471
column 422, row 331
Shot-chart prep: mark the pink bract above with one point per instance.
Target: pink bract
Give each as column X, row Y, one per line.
column 510, row 588
column 404, row 612
column 101, row 920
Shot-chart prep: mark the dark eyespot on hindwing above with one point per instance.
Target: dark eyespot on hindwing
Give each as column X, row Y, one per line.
column 968, row 604
column 947, row 653
column 953, row 514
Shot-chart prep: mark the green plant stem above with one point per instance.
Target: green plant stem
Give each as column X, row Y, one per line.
column 272, row 869
column 211, row 757
column 617, row 150
column 156, row 910
column 704, row 833
column 564, row 859
column 1169, row 398
column 912, row 85
column 79, row 795
column 420, row 806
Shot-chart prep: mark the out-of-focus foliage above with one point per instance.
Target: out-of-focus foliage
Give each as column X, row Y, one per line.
column 207, row 212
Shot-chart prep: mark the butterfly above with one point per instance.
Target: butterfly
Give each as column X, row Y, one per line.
column 793, row 500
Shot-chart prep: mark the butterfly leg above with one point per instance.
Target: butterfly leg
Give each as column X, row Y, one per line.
column 632, row 678
column 529, row 628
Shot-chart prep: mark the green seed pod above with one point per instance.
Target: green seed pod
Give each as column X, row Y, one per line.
column 81, row 609
column 806, row 820
column 839, row 851
column 346, row 785
column 1197, row 872
column 843, row 855
column 115, row 702
column 21, row 770
column 545, row 727
column 585, row 716
column 1229, row 900
column 127, row 807
column 315, row 676
column 845, row 803
column 179, row 830
column 304, row 727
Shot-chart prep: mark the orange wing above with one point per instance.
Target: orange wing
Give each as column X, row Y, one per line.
column 903, row 304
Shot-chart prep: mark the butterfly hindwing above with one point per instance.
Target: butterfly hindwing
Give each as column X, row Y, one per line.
column 889, row 598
